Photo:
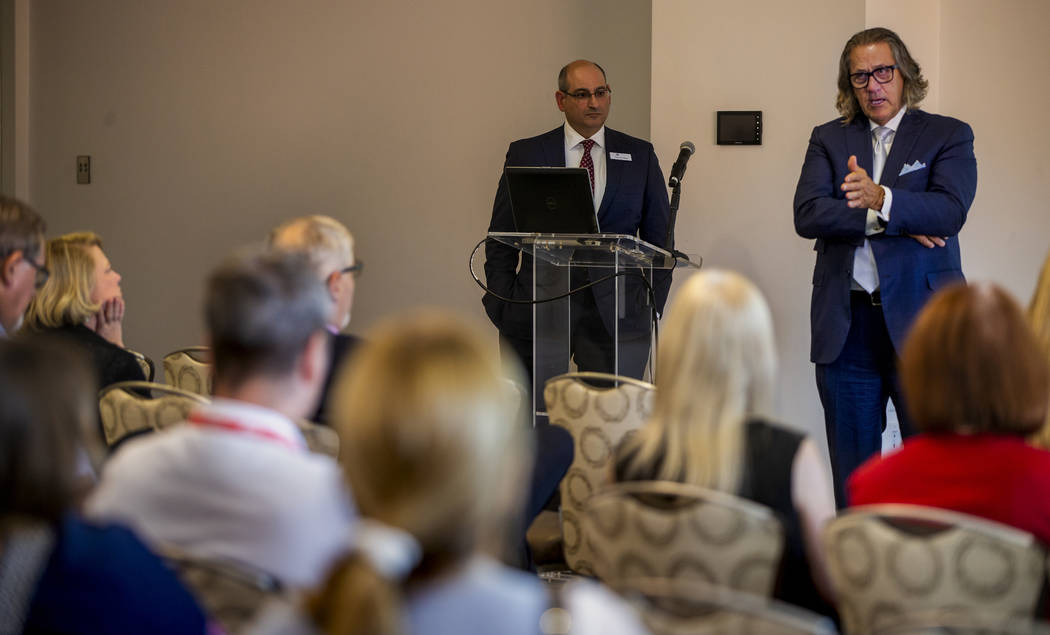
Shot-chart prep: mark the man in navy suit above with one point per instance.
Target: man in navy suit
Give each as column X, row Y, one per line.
column 884, row 190
column 630, row 197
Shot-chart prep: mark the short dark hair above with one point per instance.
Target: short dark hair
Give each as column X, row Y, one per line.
column 915, row 84
column 563, row 74
column 47, row 392
column 261, row 308
column 971, row 363
column 20, row 228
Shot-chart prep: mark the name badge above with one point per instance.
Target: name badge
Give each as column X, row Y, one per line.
column 620, row 156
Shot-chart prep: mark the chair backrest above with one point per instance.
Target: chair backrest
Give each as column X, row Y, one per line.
column 190, row 369
column 693, row 607
column 132, row 407
column 230, row 593
column 597, row 418
column 659, row 529
column 320, row 439
column 888, row 561
column 145, row 363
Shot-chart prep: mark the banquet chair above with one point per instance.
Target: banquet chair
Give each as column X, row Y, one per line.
column 145, row 363
column 190, row 369
column 133, row 407
column 891, row 561
column 693, row 607
column 661, row 529
column 598, row 417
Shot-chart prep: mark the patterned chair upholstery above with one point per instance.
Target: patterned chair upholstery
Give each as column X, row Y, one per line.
column 320, row 439
column 597, row 418
column 189, row 369
column 693, row 607
column 229, row 593
column 145, row 363
column 132, row 407
column 658, row 529
column 891, row 561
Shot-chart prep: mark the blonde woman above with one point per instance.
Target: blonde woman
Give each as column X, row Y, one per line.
column 710, row 425
column 83, row 303
column 437, row 461
column 1039, row 318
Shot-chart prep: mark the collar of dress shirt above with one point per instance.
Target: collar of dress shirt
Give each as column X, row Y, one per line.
column 892, row 124
column 573, row 138
column 241, row 417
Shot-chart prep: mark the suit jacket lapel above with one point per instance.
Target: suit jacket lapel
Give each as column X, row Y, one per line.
column 858, row 143
column 904, row 140
column 554, row 148
column 613, row 171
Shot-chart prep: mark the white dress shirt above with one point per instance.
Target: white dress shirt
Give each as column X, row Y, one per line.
column 235, row 482
column 877, row 219
column 574, row 153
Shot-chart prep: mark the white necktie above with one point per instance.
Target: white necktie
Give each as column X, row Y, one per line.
column 865, row 271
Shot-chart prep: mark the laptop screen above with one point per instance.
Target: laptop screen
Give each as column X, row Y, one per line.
column 551, row 200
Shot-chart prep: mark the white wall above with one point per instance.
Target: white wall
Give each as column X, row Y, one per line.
column 210, row 122
column 780, row 58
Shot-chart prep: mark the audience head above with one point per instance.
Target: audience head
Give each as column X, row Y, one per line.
column 971, row 364
column 431, row 446
column 81, row 279
column 23, row 270
column 715, row 371
column 265, row 313
column 47, row 393
column 906, row 88
column 1039, row 319
column 330, row 247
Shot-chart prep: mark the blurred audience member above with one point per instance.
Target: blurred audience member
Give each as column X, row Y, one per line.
column 330, row 247
column 23, row 270
column 710, row 425
column 976, row 385
column 1039, row 319
column 82, row 303
column 437, row 461
column 59, row 574
column 236, row 482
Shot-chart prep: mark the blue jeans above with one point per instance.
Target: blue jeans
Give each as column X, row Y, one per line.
column 854, row 389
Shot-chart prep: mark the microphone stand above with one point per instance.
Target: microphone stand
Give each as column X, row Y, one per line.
column 676, row 195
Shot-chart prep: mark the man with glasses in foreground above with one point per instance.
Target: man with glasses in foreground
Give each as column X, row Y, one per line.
column 330, row 247
column 884, row 190
column 22, row 261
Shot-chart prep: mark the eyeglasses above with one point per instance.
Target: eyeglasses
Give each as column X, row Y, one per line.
column 42, row 274
column 583, row 95
column 882, row 74
column 354, row 269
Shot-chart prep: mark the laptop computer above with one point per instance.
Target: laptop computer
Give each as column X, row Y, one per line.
column 551, row 200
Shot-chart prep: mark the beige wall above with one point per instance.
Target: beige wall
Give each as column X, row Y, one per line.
column 210, row 122
column 780, row 58
column 987, row 66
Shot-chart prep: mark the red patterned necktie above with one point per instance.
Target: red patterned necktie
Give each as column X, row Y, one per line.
column 588, row 162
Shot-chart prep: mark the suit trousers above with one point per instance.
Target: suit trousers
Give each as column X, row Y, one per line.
column 854, row 390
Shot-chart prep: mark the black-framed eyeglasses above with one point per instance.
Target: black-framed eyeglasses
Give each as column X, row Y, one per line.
column 42, row 274
column 882, row 74
column 583, row 95
column 354, row 269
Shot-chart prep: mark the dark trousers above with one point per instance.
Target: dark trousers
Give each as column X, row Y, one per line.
column 854, row 390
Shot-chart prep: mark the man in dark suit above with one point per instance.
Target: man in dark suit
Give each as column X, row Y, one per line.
column 630, row 197
column 330, row 247
column 884, row 190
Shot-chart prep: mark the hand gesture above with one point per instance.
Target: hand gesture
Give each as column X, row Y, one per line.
column 861, row 191
column 109, row 321
column 929, row 241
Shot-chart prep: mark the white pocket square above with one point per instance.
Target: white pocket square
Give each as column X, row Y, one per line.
column 914, row 167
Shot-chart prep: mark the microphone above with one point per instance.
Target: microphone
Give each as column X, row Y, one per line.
column 678, row 169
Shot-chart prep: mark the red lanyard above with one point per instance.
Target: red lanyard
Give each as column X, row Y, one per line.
column 198, row 418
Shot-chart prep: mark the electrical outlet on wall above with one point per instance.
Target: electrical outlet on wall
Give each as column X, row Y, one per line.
column 83, row 169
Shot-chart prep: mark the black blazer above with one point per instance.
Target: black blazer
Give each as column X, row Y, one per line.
column 110, row 362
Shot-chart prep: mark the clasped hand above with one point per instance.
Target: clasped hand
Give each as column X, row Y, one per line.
column 862, row 192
